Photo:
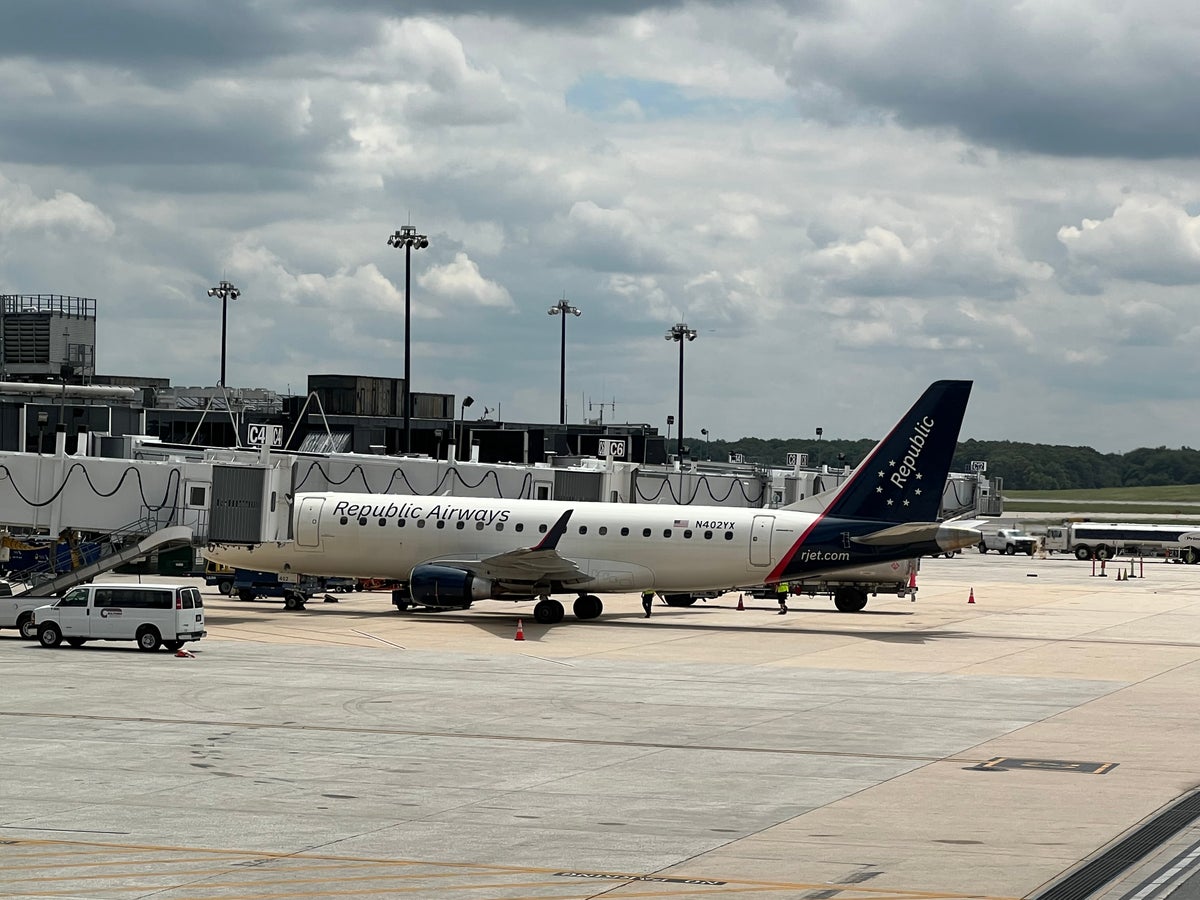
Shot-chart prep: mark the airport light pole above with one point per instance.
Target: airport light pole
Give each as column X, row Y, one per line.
column 462, row 424
column 679, row 332
column 820, row 431
column 707, row 453
column 408, row 238
column 562, row 308
column 226, row 291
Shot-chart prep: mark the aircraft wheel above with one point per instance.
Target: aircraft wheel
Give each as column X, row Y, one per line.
column 587, row 606
column 548, row 612
column 982, row 547
column 1082, row 552
column 850, row 599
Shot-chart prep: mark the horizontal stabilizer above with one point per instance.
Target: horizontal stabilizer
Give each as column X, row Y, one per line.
column 904, row 533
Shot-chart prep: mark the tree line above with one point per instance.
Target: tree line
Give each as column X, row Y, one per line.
column 1032, row 467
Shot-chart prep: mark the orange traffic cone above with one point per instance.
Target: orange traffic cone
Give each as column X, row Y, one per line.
column 740, row 604
column 912, row 578
column 971, row 598
column 520, row 632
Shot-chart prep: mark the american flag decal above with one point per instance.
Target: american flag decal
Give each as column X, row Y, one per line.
column 681, row 523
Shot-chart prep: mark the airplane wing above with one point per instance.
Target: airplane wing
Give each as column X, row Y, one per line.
column 541, row 563
column 527, row 565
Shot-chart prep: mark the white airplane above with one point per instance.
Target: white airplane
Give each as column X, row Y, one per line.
column 453, row 551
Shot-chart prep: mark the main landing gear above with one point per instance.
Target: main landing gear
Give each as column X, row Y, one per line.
column 549, row 611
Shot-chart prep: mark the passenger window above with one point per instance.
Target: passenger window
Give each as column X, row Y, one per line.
column 645, row 532
column 400, row 522
column 603, row 529
column 382, row 522
column 499, row 526
column 666, row 532
column 729, row 535
column 583, row 529
column 344, row 520
column 708, row 535
column 441, row 523
column 199, row 599
column 187, row 601
column 362, row 520
column 687, row 533
column 105, row 598
column 624, row 532
column 520, row 526
column 479, row 526
column 542, row 528
column 420, row 523
column 461, row 525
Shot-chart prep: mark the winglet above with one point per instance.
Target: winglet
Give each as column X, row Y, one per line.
column 557, row 530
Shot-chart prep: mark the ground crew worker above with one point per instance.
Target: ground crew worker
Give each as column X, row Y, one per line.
column 647, row 601
column 782, row 590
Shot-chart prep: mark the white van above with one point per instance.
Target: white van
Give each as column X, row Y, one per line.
column 154, row 615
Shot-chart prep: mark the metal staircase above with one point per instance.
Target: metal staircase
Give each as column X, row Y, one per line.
column 119, row 547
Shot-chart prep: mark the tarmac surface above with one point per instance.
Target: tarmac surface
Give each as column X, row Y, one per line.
column 921, row 750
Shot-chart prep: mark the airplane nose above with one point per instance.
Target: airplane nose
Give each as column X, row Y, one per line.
column 953, row 537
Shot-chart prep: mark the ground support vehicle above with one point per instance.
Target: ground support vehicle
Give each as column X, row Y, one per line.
column 850, row 588
column 154, row 615
column 296, row 590
column 1103, row 540
column 1008, row 540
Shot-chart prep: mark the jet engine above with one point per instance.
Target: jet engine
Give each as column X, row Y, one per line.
column 445, row 587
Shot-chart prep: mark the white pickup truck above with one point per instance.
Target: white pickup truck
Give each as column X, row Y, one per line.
column 1008, row 540
column 17, row 612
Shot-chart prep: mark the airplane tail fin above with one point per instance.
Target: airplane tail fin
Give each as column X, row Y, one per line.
column 903, row 478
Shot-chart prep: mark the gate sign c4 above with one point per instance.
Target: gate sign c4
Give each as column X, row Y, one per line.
column 257, row 435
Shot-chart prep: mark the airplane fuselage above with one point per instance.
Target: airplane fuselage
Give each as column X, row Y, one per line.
column 617, row 547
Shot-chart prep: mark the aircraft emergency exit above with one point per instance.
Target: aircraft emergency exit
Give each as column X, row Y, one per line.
column 453, row 551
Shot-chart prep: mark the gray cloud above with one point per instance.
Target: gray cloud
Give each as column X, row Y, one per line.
column 1068, row 79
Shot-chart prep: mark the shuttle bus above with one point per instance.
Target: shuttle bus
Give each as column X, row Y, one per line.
column 1103, row 540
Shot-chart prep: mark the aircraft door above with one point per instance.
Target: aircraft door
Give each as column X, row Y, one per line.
column 308, row 523
column 760, row 540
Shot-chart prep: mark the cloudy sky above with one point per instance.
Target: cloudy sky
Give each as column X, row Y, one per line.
column 847, row 200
